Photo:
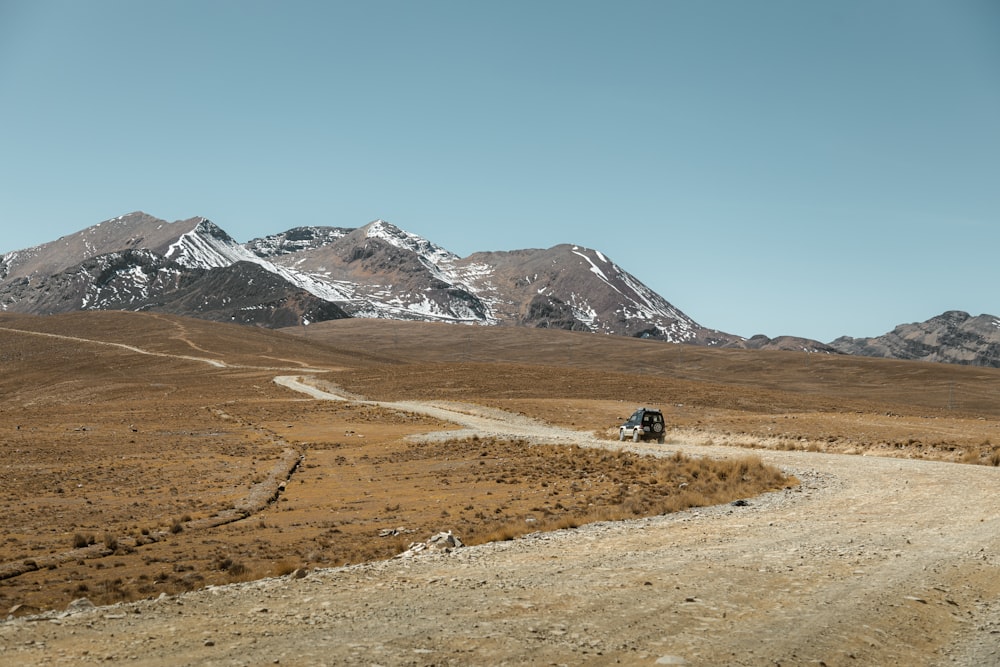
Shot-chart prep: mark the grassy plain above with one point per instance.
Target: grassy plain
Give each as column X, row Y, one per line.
column 135, row 448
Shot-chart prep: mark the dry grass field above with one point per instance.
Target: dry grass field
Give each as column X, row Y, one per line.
column 780, row 400
column 140, row 454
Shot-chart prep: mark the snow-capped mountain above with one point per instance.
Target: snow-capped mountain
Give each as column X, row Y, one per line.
column 381, row 270
column 137, row 261
column 309, row 274
column 391, row 273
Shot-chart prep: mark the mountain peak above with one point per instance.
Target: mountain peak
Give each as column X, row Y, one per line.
column 390, row 233
column 379, row 223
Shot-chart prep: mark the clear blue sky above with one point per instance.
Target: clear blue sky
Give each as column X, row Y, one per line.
column 776, row 167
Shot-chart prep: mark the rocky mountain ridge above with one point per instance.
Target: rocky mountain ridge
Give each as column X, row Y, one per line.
column 310, row 274
column 954, row 337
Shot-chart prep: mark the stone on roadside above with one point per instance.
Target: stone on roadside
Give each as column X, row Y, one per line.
column 443, row 542
column 80, row 604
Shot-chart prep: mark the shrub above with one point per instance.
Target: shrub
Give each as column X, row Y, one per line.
column 284, row 567
column 113, row 590
column 237, row 570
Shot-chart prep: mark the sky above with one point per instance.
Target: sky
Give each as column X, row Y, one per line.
column 774, row 167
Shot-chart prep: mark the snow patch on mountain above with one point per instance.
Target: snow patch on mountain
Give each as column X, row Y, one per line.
column 422, row 308
column 296, row 240
column 208, row 246
column 583, row 311
column 595, row 269
column 434, row 255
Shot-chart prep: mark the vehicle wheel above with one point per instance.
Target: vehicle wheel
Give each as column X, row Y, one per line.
column 621, row 434
column 635, row 435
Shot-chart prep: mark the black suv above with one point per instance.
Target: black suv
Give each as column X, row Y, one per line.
column 644, row 423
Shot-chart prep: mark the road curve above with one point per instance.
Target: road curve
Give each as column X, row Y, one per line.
column 872, row 561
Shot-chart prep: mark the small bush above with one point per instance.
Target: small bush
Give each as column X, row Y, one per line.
column 112, row 590
column 80, row 541
column 237, row 570
column 284, row 568
column 971, row 456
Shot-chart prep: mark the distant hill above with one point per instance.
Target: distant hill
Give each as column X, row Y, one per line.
column 953, row 337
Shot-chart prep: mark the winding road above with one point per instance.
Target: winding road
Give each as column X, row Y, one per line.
column 871, row 561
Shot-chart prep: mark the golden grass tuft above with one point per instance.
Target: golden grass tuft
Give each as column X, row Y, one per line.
column 985, row 454
column 656, row 486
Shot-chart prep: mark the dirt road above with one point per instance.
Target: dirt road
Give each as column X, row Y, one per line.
column 476, row 420
column 872, row 561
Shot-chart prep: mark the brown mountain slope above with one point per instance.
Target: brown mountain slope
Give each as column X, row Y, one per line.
column 133, row 231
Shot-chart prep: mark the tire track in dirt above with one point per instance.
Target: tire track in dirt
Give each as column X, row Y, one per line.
column 131, row 348
column 477, row 420
column 216, row 363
